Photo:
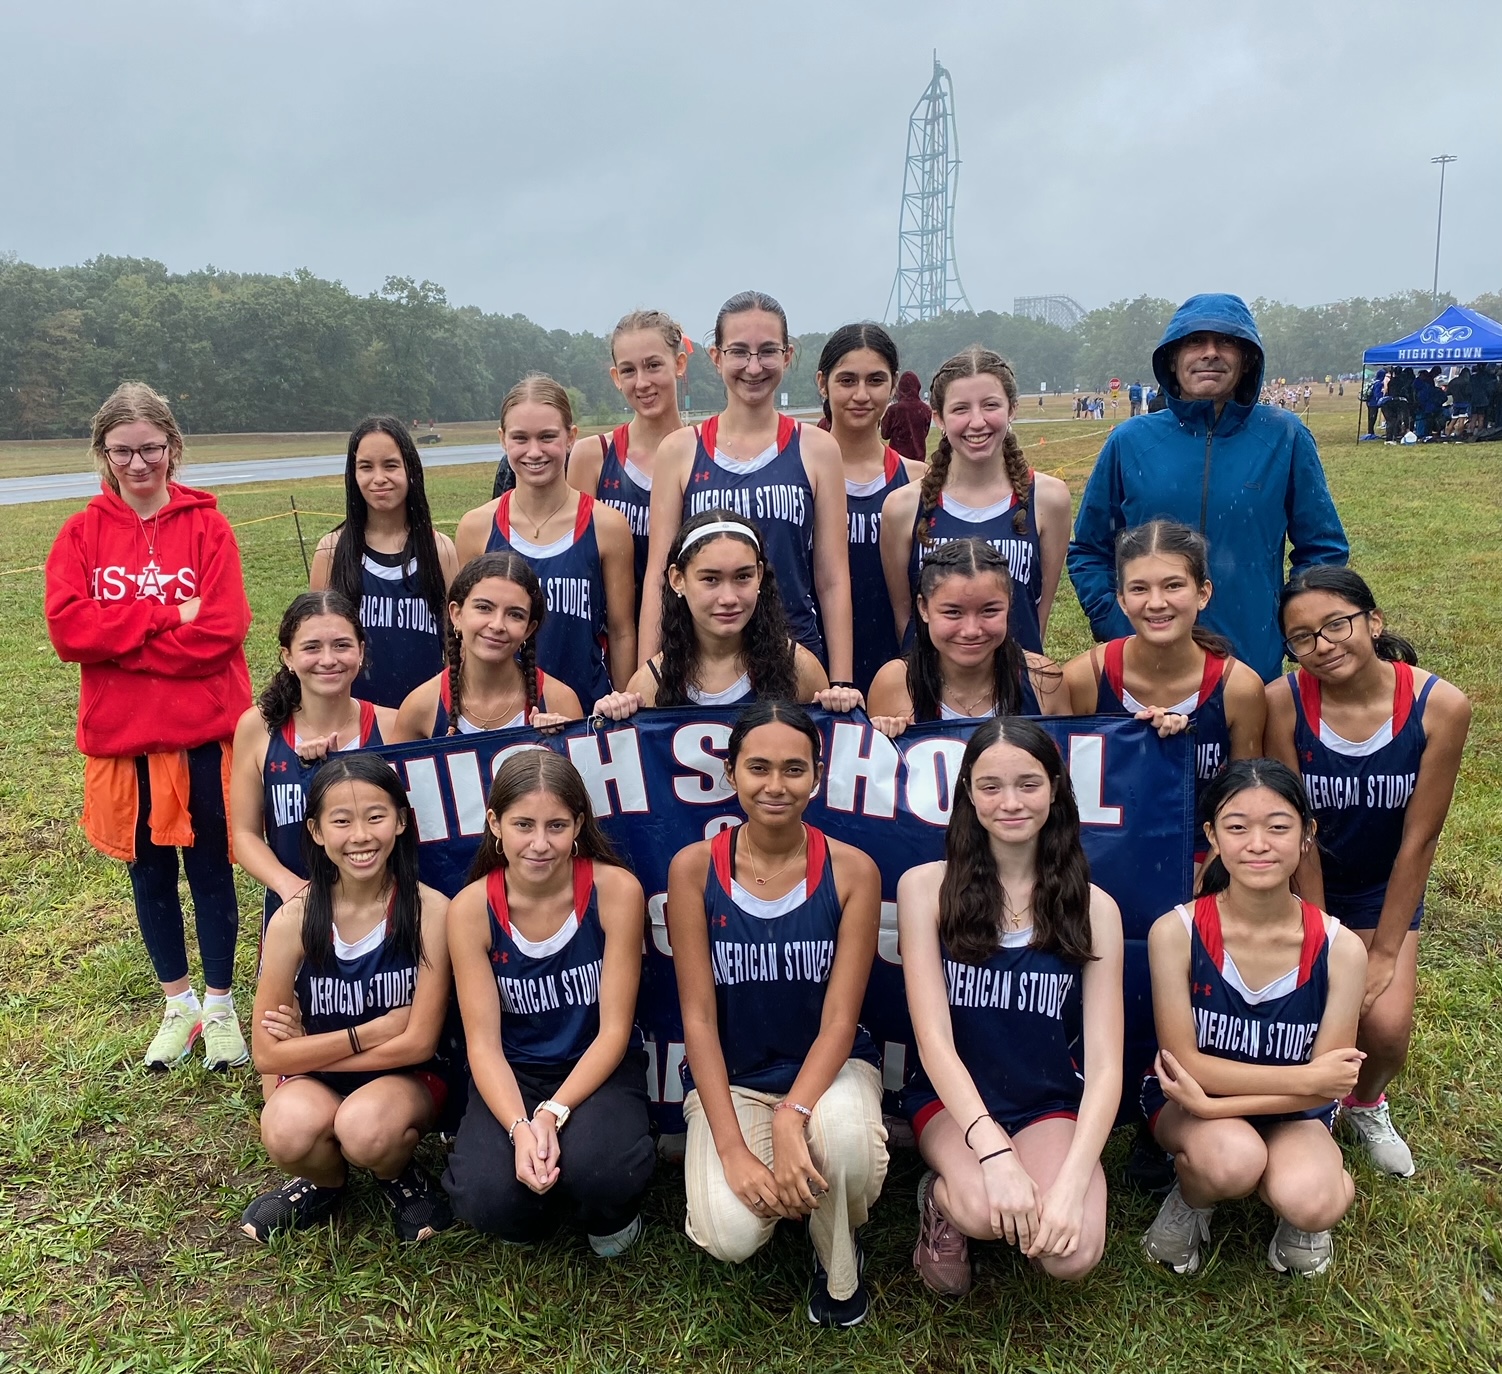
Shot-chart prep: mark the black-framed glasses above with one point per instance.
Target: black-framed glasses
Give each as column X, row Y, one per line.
column 767, row 355
column 1301, row 643
column 121, row 455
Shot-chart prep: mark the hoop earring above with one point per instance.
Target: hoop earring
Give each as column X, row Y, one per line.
column 576, row 849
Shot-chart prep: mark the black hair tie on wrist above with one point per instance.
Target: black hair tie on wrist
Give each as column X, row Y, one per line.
column 984, row 1116
column 995, row 1154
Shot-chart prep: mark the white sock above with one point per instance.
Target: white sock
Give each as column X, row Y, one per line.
column 219, row 1001
column 187, row 1001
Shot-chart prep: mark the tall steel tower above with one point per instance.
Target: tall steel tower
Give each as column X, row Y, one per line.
column 927, row 284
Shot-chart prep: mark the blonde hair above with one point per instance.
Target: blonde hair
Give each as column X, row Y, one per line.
column 128, row 403
column 539, row 387
column 658, row 321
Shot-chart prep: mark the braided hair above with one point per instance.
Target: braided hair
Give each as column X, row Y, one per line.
column 766, row 642
column 508, row 567
column 345, row 569
column 925, row 673
column 281, row 697
column 975, row 361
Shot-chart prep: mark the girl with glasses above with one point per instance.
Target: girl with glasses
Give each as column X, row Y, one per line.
column 647, row 359
column 144, row 591
column 786, row 476
column 1378, row 741
column 387, row 559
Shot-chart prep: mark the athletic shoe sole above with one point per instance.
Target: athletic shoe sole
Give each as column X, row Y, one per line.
column 1276, row 1263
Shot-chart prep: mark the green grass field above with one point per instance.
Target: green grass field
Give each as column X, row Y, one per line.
column 119, row 1191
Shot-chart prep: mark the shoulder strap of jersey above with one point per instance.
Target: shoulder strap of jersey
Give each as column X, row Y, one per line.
column 786, row 428
column 1314, row 939
column 289, row 733
column 367, row 721
column 818, row 855
column 709, row 433
column 1215, row 670
column 1207, row 927
column 1306, row 688
column 542, row 682
column 891, row 463
column 1402, row 696
column 584, row 885
column 621, row 439
column 495, row 894
column 1113, row 669
column 445, row 695
column 584, row 514
column 722, row 856
column 503, row 516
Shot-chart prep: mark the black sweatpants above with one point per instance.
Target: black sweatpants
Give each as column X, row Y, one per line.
column 606, row 1158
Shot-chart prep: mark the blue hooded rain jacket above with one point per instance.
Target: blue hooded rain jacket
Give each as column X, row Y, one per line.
column 1249, row 480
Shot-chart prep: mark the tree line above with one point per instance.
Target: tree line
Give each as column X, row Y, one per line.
column 241, row 352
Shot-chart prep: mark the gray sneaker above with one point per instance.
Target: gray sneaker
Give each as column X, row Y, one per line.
column 1306, row 1253
column 1177, row 1233
column 1373, row 1130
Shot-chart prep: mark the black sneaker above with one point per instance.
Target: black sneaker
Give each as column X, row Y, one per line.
column 296, row 1205
column 1149, row 1168
column 824, row 1310
column 419, row 1206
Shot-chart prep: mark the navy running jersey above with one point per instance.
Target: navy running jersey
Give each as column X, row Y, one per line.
column 1206, row 711
column 358, row 983
column 625, row 487
column 468, row 727
column 875, row 632
column 993, row 525
column 773, row 490
column 1272, row 1025
column 771, row 962
column 1360, row 793
column 403, row 642
column 1018, row 1025
column 285, row 781
column 572, row 639
column 549, row 989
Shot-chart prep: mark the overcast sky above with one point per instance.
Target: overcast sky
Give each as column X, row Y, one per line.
column 569, row 161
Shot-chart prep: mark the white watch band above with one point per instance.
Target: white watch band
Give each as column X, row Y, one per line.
column 560, row 1112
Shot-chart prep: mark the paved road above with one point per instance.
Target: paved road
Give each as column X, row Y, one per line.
column 79, row 486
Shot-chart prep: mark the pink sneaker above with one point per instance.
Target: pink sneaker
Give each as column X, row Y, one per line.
column 942, row 1254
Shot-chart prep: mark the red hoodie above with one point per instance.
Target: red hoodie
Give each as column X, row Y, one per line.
column 150, row 684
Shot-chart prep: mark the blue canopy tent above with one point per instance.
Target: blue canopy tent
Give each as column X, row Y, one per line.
column 1457, row 338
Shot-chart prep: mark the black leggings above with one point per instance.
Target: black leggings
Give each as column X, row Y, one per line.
column 606, row 1158
column 211, row 880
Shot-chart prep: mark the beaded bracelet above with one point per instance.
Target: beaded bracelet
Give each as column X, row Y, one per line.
column 798, row 1107
column 511, row 1129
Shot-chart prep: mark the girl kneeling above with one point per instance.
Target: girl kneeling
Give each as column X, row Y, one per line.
column 773, row 928
column 354, row 984
column 1255, row 996
column 547, row 944
column 1013, row 964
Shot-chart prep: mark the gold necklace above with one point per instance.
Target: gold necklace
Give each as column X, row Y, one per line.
column 751, row 859
column 486, row 722
column 966, row 706
column 537, row 525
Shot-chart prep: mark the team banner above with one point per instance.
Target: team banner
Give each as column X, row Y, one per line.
column 657, row 784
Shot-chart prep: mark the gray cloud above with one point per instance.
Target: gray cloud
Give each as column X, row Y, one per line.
column 569, row 161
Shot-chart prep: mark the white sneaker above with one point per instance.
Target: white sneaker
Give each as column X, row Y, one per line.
column 1178, row 1231
column 1374, row 1131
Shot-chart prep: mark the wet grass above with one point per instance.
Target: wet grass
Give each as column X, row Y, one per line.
column 119, row 1190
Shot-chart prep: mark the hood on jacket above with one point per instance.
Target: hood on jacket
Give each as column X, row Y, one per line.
column 909, row 388
column 1218, row 313
column 111, row 504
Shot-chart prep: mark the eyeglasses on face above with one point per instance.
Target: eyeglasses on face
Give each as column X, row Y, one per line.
column 1301, row 643
column 767, row 355
column 121, row 455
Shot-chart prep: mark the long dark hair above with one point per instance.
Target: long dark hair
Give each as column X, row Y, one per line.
column 1241, row 775
column 972, row 903
column 925, row 674
column 766, row 644
column 1170, row 539
column 509, row 567
column 846, row 339
column 768, row 713
column 975, row 361
column 346, row 572
column 541, row 770
column 1351, row 588
column 281, row 697
column 404, row 933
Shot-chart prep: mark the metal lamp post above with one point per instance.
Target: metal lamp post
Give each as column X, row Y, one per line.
column 1444, row 160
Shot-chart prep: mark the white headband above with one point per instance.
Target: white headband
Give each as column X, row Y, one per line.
column 721, row 527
